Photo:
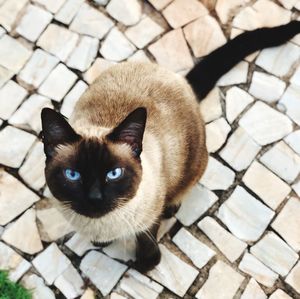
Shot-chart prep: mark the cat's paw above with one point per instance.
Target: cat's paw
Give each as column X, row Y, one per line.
column 144, row 264
column 101, row 244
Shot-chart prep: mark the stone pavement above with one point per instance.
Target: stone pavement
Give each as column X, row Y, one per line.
column 238, row 233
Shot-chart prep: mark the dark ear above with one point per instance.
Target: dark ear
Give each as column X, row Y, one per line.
column 131, row 130
column 55, row 130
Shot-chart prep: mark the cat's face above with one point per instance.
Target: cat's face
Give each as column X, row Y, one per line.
column 93, row 176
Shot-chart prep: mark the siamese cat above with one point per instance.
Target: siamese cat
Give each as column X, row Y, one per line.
column 135, row 144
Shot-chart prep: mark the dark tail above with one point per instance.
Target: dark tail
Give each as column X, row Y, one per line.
column 207, row 72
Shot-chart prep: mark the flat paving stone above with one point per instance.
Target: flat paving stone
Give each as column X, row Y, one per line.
column 11, row 96
column 116, row 46
column 23, row 233
column 171, row 51
column 293, row 278
column 255, row 268
column 196, row 203
column 253, row 290
column 91, row 21
column 275, row 253
column 245, row 216
column 236, row 101
column 262, row 181
column 280, row 294
column 160, row 4
column 5, row 75
column 165, row 226
column 59, row 263
column 123, row 249
column 287, row 223
column 210, row 107
column 236, row 75
column 179, row 12
column 167, row 272
column 283, row 161
column 264, row 124
column 17, row 144
column 68, row 11
column 53, row 5
column 293, row 140
column 62, row 78
column 240, row 150
column 223, row 282
column 228, row 244
column 217, row 176
column 79, row 244
column 33, row 22
column 266, row 87
column 199, row 253
column 12, row 262
column 58, row 41
column 139, row 56
column 103, row 271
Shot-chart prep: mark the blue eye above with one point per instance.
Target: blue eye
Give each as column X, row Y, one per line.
column 114, row 174
column 72, row 175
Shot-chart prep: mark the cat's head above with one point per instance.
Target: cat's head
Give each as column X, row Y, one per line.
column 89, row 175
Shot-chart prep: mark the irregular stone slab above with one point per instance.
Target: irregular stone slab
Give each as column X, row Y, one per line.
column 262, row 181
column 53, row 225
column 279, row 60
column 37, row 287
column 240, row 150
column 58, row 41
column 196, row 203
column 160, row 4
column 262, row 131
column 216, row 134
column 5, row 75
column 236, row 101
column 199, row 253
column 37, row 69
column 266, row 87
column 11, row 96
column 127, row 12
column 17, row 143
column 33, row 22
column 72, row 97
column 68, row 11
column 79, row 244
column 217, row 176
column 252, row 266
column 99, row 66
column 13, row 55
column 123, row 249
column 210, row 107
column 139, row 56
column 9, row 11
column 253, row 290
column 181, row 12
column 293, row 140
column 53, row 5
column 144, row 32
column 171, row 51
column 23, row 234
column 287, row 223
column 91, row 21
column 84, row 54
column 280, row 294
column 15, row 198
column 289, row 4
column 275, row 254
column 116, row 46
column 12, row 262
column 293, row 278
column 32, row 171
column 236, row 75
column 223, row 282
column 290, row 102
column 62, row 78
column 253, row 17
column 296, row 187
column 204, row 35
column 228, row 244
column 28, row 116
column 70, row 283
column 245, row 216
column 50, row 271
column 89, row 294
column 295, row 79
column 103, row 271
column 283, row 161
column 139, row 286
column 169, row 272
column 165, row 226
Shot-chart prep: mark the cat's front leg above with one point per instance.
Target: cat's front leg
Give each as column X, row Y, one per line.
column 147, row 251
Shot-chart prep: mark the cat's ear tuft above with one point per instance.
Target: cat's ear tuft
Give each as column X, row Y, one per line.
column 131, row 130
column 55, row 130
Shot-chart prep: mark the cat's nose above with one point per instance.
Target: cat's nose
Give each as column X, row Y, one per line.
column 95, row 193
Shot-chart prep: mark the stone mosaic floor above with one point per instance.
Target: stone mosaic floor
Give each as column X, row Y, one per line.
column 238, row 233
